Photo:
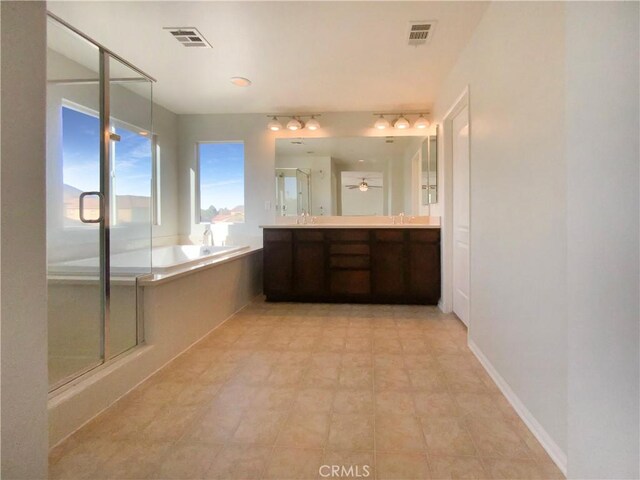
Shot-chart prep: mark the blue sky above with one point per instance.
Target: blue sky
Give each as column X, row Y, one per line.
column 81, row 156
column 221, row 174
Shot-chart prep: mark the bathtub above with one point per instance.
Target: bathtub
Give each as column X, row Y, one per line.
column 163, row 260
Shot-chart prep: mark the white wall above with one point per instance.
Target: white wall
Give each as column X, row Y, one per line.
column 554, row 125
column 602, row 157
column 23, row 244
column 514, row 66
column 259, row 161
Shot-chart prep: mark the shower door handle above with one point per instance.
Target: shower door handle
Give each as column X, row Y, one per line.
column 100, row 207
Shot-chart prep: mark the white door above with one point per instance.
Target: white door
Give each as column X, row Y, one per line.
column 461, row 215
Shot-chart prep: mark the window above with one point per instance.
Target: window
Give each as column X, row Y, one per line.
column 132, row 169
column 80, row 163
column 221, row 182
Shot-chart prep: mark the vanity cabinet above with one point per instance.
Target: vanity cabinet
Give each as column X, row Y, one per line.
column 366, row 265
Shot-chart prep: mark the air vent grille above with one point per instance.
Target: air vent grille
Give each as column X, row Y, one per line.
column 188, row 36
column 420, row 32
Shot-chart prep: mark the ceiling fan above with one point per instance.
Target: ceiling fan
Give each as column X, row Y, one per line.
column 363, row 186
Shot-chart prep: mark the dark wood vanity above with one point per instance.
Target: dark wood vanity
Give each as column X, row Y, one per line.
column 355, row 265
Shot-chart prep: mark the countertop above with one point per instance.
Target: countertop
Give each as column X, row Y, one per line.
column 362, row 225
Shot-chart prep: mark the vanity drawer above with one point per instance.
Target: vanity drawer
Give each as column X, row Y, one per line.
column 428, row 235
column 349, row 249
column 395, row 235
column 272, row 235
column 349, row 235
column 309, row 236
column 350, row 261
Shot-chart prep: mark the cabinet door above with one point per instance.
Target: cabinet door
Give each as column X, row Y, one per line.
column 388, row 268
column 424, row 271
column 278, row 267
column 309, row 268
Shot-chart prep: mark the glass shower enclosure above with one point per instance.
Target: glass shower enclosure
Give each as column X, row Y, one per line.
column 100, row 148
column 293, row 191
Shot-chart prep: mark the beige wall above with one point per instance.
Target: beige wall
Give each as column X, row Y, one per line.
column 514, row 67
column 24, row 317
column 602, row 156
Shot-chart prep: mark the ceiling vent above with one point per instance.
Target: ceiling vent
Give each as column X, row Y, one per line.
column 188, row 36
column 420, row 32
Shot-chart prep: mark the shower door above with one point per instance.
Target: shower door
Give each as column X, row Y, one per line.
column 99, row 150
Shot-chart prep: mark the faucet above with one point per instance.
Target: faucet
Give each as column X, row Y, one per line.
column 304, row 217
column 207, row 237
column 401, row 215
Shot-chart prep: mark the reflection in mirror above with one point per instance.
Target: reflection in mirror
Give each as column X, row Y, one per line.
column 429, row 170
column 347, row 175
column 292, row 191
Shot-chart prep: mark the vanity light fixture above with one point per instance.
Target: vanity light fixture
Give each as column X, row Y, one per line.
column 401, row 123
column 313, row 124
column 421, row 122
column 381, row 123
column 274, row 124
column 294, row 124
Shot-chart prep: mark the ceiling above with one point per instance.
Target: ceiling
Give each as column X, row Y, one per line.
column 346, row 151
column 300, row 56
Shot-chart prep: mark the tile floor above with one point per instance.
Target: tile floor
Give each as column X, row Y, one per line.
column 279, row 390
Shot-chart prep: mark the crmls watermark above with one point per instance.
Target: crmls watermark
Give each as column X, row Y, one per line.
column 344, row 471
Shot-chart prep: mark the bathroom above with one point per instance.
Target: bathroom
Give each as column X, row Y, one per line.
column 319, row 239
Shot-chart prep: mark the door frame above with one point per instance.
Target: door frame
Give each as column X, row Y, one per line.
column 446, row 300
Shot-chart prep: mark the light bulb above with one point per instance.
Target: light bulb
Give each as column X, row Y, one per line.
column 294, row 124
column 313, row 124
column 274, row 125
column 401, row 123
column 381, row 123
column 421, row 122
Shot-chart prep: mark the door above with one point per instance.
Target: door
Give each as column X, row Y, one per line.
column 99, row 174
column 461, row 215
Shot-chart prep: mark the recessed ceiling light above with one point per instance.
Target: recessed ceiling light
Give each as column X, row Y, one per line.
column 240, row 81
column 361, row 161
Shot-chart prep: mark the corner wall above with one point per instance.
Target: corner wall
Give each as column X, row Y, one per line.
column 24, row 317
column 555, row 277
column 514, row 67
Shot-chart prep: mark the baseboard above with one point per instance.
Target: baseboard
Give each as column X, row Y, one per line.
column 554, row 451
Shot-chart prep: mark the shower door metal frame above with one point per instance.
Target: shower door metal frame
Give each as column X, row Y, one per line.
column 105, row 189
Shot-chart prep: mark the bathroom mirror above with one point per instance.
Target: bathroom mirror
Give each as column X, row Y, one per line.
column 429, row 170
column 348, row 175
